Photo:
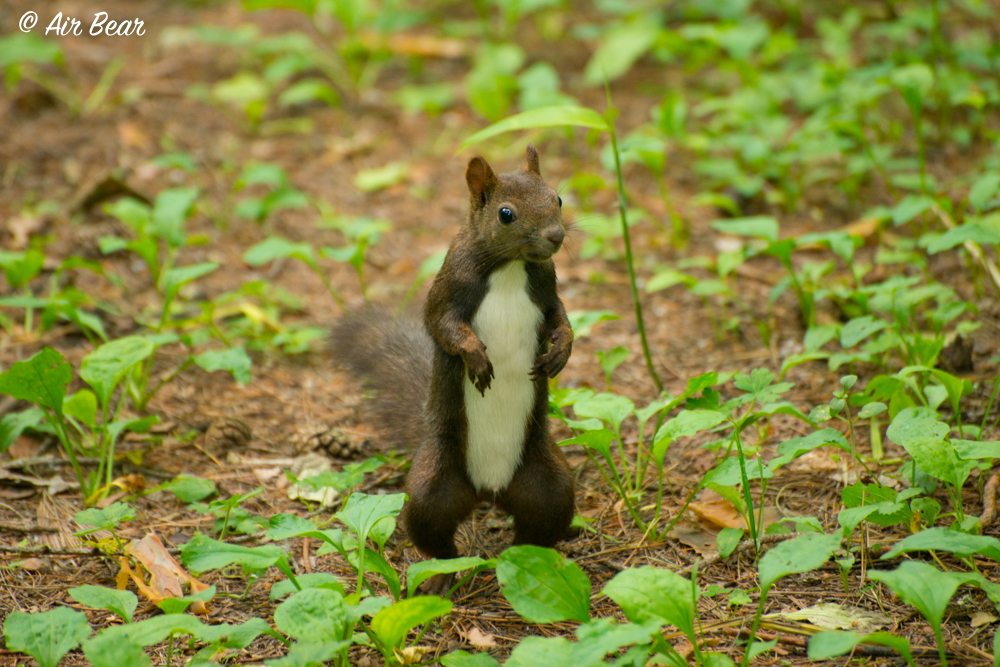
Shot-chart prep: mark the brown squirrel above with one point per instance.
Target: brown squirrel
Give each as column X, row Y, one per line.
column 472, row 390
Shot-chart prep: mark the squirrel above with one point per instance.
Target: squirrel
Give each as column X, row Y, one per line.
column 471, row 385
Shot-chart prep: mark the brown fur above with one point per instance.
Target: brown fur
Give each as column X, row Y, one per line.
column 441, row 496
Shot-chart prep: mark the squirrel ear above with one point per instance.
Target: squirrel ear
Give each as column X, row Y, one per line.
column 532, row 163
column 481, row 180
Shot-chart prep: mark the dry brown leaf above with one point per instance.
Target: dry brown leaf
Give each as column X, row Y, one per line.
column 32, row 564
column 265, row 475
column 480, row 639
column 146, row 591
column 716, row 511
column 696, row 536
column 981, row 618
column 132, row 135
column 166, row 576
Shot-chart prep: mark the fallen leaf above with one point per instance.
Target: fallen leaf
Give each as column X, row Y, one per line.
column 22, row 227
column 32, row 564
column 307, row 466
column 480, row 639
column 981, row 618
column 131, row 134
column 265, row 475
column 696, row 536
column 833, row 616
column 166, row 576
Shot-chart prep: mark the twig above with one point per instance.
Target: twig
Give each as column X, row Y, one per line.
column 990, row 501
column 17, row 528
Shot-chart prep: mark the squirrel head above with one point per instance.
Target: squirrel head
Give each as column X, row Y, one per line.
column 514, row 215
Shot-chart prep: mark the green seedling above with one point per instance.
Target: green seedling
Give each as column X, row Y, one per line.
column 926, row 588
column 280, row 194
column 276, row 247
column 46, row 636
column 231, row 518
column 89, row 422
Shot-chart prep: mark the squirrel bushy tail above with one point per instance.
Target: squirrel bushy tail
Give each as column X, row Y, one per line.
column 392, row 357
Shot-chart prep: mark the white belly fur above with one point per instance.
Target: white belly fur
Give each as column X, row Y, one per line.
column 507, row 322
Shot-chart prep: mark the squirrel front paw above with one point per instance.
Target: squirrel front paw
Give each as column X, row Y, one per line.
column 480, row 368
column 552, row 362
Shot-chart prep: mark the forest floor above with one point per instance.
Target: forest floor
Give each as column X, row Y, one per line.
column 301, row 404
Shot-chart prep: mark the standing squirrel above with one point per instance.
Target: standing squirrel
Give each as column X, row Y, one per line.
column 472, row 390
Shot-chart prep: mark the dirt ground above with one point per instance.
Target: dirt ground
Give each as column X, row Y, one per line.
column 298, row 403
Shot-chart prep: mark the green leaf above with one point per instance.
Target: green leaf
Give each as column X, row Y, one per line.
column 758, row 226
column 20, row 267
column 46, row 636
column 392, row 623
column 984, row 190
column 188, row 488
column 860, row 328
column 308, row 653
column 363, row 511
column 308, row 90
column 175, row 279
column 202, row 553
column 727, row 540
column 419, row 572
column 830, row 644
column 275, row 247
column 465, row 659
column 970, row 231
column 41, row 380
column 599, row 440
column 923, row 586
column 542, row 586
column 790, row 450
column 620, row 47
column 154, row 630
column 308, row 580
column 12, row 425
column 612, row 359
column 235, row 360
column 122, row 603
column 28, row 48
column 170, row 212
column 133, row 213
column 910, row 207
column 314, row 615
column 665, row 278
column 82, row 406
column 610, row 408
column 944, row 539
column 646, row 593
column 802, row 554
column 556, row 116
column 923, row 437
column 583, row 321
column 105, row 367
column 371, row 180
column 685, row 424
column 103, row 519
column 179, row 605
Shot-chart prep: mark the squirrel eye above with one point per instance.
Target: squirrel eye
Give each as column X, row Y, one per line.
column 560, row 200
column 506, row 215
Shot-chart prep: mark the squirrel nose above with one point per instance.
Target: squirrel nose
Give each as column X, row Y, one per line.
column 555, row 235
